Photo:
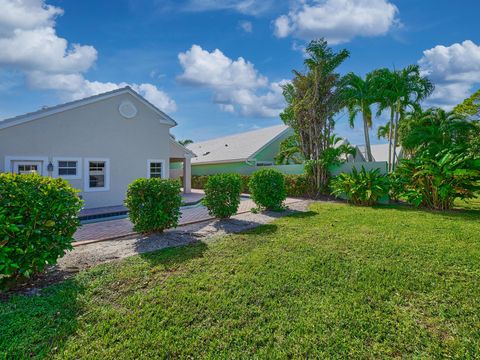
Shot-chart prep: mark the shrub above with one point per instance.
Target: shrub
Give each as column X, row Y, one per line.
column 200, row 181
column 299, row 186
column 434, row 182
column 222, row 194
column 153, row 204
column 38, row 217
column 267, row 187
column 361, row 187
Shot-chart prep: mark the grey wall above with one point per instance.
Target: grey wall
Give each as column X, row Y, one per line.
column 98, row 131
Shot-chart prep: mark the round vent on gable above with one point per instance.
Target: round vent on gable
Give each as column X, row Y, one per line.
column 127, row 109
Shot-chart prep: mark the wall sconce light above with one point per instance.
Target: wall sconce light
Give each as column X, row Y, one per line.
column 50, row 167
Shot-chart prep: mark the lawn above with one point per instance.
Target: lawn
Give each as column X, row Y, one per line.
column 338, row 281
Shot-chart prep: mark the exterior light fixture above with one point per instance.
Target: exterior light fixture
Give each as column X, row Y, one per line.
column 50, row 167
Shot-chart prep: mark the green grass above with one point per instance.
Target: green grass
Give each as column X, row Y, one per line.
column 339, row 281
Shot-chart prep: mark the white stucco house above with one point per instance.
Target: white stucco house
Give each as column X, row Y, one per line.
column 100, row 144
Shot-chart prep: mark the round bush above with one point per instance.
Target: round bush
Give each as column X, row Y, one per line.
column 38, row 217
column 267, row 187
column 153, row 204
column 222, row 195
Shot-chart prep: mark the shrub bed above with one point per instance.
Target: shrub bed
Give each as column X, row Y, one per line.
column 153, row 204
column 38, row 217
column 361, row 187
column 295, row 185
column 222, row 194
column 267, row 187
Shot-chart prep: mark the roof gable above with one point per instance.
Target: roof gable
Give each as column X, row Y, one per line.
column 236, row 148
column 42, row 113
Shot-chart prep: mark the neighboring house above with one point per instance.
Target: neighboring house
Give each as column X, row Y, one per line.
column 100, row 144
column 379, row 152
column 238, row 153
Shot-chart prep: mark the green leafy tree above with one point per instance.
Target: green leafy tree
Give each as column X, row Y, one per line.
column 360, row 95
column 470, row 106
column 313, row 98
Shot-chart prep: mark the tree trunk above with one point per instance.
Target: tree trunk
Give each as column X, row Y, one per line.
column 395, row 137
column 390, row 137
column 367, row 139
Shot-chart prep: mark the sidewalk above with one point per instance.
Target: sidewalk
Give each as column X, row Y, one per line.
column 112, row 229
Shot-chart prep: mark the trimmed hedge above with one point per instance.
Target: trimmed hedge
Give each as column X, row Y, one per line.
column 153, row 204
column 267, row 187
column 222, row 195
column 38, row 217
column 295, row 185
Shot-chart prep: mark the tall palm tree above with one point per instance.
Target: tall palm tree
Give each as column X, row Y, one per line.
column 290, row 151
column 399, row 91
column 360, row 95
column 383, row 132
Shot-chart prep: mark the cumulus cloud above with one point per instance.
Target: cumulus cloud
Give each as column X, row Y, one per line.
column 249, row 7
column 454, row 69
column 338, row 21
column 237, row 85
column 30, row 44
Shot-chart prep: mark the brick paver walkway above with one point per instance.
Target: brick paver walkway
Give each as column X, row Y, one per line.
column 122, row 227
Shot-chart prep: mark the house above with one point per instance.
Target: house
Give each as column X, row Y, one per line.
column 238, row 153
column 379, row 152
column 100, row 144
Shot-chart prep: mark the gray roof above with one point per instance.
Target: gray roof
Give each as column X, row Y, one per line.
column 76, row 103
column 379, row 151
column 239, row 147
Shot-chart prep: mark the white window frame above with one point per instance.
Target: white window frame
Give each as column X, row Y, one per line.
column 149, row 161
column 9, row 159
column 55, row 162
column 86, row 177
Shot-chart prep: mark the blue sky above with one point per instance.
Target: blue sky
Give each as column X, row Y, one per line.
column 216, row 66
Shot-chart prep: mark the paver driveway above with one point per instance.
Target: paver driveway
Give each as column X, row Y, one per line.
column 123, row 227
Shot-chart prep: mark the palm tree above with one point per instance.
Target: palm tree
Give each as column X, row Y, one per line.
column 360, row 96
column 290, row 152
column 399, row 91
column 383, row 132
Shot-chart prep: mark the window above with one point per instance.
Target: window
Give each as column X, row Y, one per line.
column 96, row 174
column 67, row 168
column 97, row 177
column 264, row 163
column 155, row 169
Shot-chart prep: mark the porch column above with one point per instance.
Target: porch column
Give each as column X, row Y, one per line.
column 187, row 175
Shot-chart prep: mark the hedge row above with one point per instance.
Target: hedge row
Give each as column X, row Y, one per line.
column 295, row 185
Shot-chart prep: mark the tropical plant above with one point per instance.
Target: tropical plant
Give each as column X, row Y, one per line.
column 153, row 204
column 383, row 131
column 267, row 187
column 435, row 130
column 313, row 98
column 399, row 91
column 361, row 187
column 436, row 181
column 360, row 95
column 38, row 217
column 222, row 195
column 290, row 152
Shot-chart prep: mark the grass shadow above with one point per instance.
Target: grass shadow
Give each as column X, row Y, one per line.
column 36, row 326
column 173, row 256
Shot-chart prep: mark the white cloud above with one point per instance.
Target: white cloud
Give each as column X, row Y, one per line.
column 338, row 21
column 249, row 7
column 237, row 85
column 29, row 44
column 246, row 26
column 454, row 69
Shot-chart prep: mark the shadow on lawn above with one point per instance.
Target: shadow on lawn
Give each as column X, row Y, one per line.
column 464, row 214
column 36, row 326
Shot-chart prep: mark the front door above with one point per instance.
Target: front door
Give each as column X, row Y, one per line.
column 27, row 167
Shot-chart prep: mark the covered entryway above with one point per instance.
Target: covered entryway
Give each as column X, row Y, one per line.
column 180, row 165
